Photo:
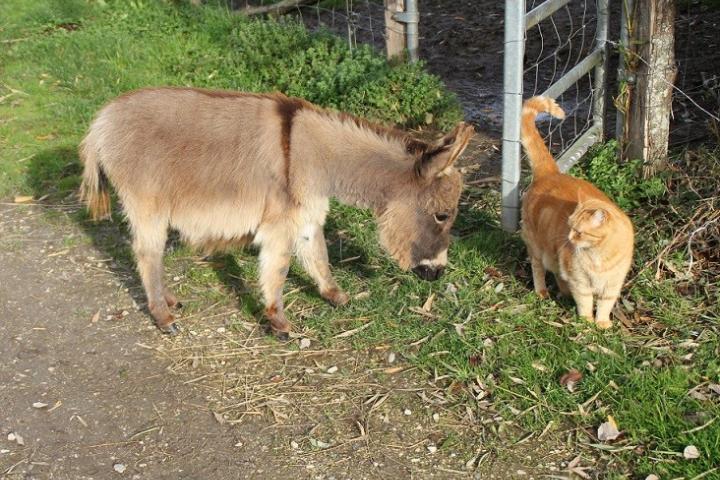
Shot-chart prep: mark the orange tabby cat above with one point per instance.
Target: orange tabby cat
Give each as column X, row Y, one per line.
column 571, row 228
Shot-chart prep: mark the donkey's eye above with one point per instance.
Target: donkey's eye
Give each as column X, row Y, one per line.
column 441, row 217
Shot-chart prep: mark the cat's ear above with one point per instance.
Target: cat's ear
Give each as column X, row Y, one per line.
column 598, row 217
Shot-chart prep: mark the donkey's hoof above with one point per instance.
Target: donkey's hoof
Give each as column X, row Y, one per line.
column 282, row 336
column 603, row 324
column 178, row 305
column 336, row 297
column 171, row 329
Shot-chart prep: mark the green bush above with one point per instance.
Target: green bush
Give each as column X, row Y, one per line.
column 622, row 182
column 129, row 44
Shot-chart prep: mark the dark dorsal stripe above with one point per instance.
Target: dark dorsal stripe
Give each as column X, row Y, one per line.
column 287, row 107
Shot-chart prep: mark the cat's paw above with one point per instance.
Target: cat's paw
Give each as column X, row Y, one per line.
column 603, row 324
column 543, row 294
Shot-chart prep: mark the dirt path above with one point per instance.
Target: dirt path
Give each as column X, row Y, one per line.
column 110, row 402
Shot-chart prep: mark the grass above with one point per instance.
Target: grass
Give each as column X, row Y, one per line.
column 486, row 331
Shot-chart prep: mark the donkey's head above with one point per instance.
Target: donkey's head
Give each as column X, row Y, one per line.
column 414, row 226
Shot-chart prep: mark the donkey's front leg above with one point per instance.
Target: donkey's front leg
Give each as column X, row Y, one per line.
column 312, row 252
column 274, row 265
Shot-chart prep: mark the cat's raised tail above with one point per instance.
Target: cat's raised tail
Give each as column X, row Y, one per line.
column 541, row 160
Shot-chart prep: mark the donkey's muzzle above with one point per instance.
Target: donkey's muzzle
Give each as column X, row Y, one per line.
column 427, row 272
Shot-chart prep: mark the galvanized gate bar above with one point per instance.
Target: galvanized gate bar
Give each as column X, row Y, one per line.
column 512, row 108
column 601, row 32
column 575, row 74
column 575, row 152
column 542, row 11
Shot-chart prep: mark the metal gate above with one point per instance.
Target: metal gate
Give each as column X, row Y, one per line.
column 517, row 23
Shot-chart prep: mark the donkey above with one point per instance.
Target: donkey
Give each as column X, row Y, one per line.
column 228, row 168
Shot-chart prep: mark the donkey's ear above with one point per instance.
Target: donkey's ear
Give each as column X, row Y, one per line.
column 442, row 154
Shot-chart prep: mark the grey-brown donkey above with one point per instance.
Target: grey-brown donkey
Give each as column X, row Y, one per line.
column 228, row 168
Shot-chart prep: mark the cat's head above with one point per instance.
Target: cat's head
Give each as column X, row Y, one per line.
column 589, row 224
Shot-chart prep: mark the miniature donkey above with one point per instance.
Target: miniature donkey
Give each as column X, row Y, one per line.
column 230, row 168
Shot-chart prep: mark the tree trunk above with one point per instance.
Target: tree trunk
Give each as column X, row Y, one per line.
column 652, row 65
column 394, row 31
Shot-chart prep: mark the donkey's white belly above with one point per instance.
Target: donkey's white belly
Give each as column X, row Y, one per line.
column 231, row 221
column 217, row 221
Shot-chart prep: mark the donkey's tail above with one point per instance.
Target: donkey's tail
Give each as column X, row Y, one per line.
column 540, row 157
column 94, row 189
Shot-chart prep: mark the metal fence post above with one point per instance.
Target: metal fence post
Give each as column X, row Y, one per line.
column 411, row 8
column 512, row 108
column 603, row 16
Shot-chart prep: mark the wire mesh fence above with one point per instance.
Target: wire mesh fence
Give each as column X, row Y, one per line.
column 552, row 48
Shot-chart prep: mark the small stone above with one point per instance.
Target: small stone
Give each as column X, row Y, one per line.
column 432, row 448
column 521, row 472
column 39, row 405
column 4, row 450
column 304, row 343
column 221, row 330
column 332, row 369
column 239, row 444
column 691, row 452
column 125, row 313
column 391, row 357
column 119, row 467
column 407, row 412
column 176, row 278
column 294, row 444
column 652, row 476
column 436, row 417
column 15, row 437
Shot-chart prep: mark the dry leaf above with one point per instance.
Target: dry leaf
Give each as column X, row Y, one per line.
column 95, row 317
column 691, row 452
column 427, row 306
column 349, row 333
column 304, row 343
column 392, row 370
column 570, row 379
column 539, row 367
column 492, row 272
column 218, row 416
column 23, row 198
column 608, row 430
column 39, row 405
column 516, row 380
column 318, row 443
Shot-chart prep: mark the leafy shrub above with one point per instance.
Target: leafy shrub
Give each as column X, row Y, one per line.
column 130, row 44
column 622, row 182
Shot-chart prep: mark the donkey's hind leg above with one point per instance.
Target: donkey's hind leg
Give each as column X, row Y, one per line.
column 311, row 250
column 149, row 235
column 275, row 253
